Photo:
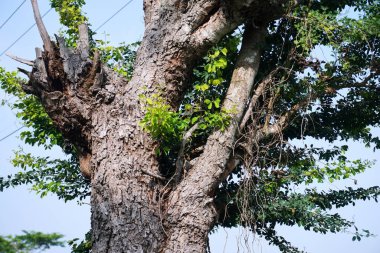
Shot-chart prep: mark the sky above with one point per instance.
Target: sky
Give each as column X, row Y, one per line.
column 21, row 209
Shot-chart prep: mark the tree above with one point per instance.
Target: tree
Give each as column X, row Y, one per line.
column 198, row 134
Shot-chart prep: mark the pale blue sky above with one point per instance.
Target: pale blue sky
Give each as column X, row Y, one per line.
column 21, row 209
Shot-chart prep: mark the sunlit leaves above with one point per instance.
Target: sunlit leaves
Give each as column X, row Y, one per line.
column 11, row 83
column 202, row 106
column 168, row 126
column 71, row 16
column 161, row 122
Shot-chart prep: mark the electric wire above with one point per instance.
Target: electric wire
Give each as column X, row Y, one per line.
column 13, row 13
column 12, row 133
column 105, row 22
column 22, row 35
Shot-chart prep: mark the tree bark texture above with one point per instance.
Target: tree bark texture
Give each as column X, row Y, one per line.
column 134, row 209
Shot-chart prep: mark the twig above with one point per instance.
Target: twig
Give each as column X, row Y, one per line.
column 153, row 174
column 284, row 119
column 258, row 92
column 179, row 162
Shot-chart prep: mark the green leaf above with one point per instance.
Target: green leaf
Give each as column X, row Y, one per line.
column 194, row 119
column 217, row 81
column 217, row 103
column 215, row 54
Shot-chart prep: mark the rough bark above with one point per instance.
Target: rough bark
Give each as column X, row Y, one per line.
column 99, row 112
column 191, row 211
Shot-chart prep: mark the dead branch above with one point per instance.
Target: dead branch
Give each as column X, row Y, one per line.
column 48, row 46
column 21, row 60
column 261, row 87
column 83, row 42
column 253, row 103
column 27, row 73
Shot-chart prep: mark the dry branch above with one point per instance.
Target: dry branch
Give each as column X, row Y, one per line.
column 27, row 73
column 83, row 42
column 21, row 60
column 41, row 28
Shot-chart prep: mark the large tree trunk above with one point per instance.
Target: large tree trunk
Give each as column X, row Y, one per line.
column 134, row 209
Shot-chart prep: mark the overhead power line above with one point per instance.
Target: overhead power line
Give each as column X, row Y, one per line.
column 30, row 28
column 13, row 13
column 27, row 30
column 10, row 134
column 22, row 35
column 105, row 22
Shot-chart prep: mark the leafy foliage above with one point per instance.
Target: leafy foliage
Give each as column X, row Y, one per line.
column 120, row 58
column 347, row 90
column 71, row 16
column 30, row 241
column 83, row 247
column 58, row 176
column 201, row 106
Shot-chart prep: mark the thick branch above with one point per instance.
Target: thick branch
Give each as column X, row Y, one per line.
column 221, row 142
column 41, row 28
column 218, row 25
column 230, row 14
column 209, row 169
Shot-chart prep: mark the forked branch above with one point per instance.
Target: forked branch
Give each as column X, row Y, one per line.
column 284, row 120
column 220, row 145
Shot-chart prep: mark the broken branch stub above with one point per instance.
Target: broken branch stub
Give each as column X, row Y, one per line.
column 83, row 42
